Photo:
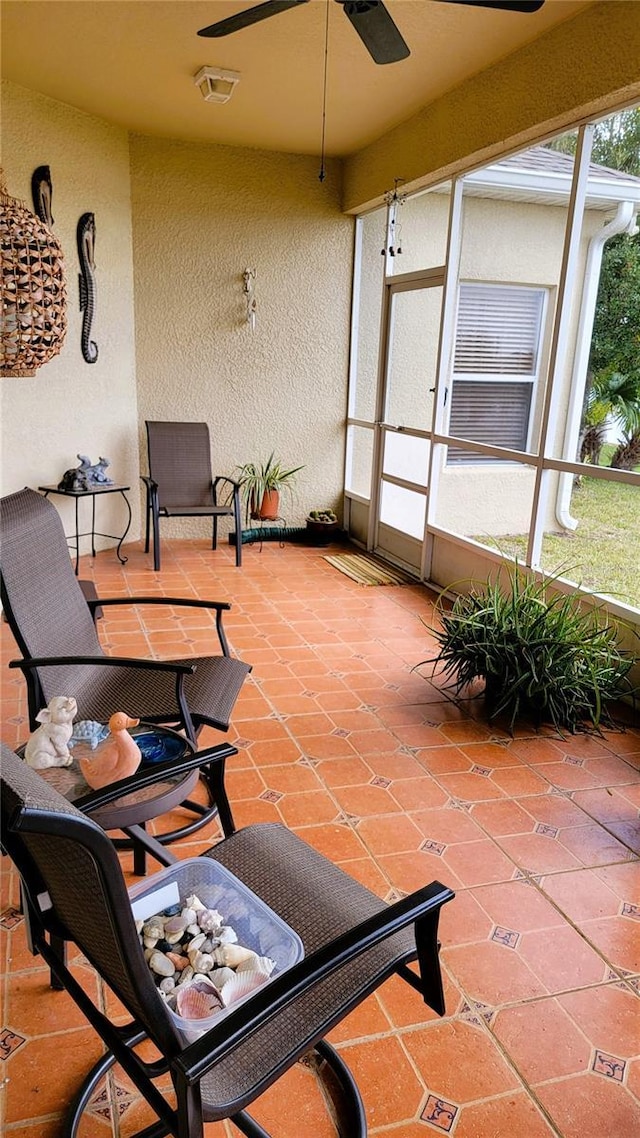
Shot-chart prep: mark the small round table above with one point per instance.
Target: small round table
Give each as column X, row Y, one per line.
column 131, row 812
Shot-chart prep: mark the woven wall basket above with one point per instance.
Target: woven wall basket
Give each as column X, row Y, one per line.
column 34, row 295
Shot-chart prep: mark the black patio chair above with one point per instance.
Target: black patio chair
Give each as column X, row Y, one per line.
column 74, row 890
column 52, row 623
column 180, row 483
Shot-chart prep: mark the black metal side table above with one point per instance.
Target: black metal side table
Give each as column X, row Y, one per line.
column 93, row 492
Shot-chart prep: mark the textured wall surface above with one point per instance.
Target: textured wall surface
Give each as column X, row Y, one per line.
column 586, row 66
column 201, row 215
column 70, row 406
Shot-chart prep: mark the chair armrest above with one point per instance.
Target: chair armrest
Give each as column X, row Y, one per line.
column 224, row 478
column 150, row 483
column 105, row 661
column 185, row 602
column 149, row 775
column 199, row 1057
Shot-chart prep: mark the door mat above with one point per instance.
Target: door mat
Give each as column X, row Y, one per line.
column 367, row 570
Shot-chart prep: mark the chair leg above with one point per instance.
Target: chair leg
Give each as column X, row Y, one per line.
column 341, row 1087
column 146, row 532
column 156, row 541
column 214, row 535
column 237, row 518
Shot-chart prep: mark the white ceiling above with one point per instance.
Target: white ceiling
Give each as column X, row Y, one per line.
column 132, row 62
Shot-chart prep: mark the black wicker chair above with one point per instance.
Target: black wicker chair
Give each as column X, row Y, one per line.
column 353, row 941
column 180, row 483
column 52, row 623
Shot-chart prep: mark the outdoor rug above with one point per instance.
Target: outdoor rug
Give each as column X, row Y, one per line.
column 367, row 570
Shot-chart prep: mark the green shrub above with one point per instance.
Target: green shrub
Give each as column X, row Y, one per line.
column 542, row 655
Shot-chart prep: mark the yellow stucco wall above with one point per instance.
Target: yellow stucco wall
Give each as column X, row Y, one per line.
column 201, row 215
column 71, row 406
column 573, row 71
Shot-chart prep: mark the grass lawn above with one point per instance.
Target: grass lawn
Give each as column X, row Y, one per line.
column 603, row 553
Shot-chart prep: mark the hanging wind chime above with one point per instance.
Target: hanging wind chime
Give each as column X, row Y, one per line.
column 33, row 321
column 393, row 224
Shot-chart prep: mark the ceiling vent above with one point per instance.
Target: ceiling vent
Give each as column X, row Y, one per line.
column 216, row 85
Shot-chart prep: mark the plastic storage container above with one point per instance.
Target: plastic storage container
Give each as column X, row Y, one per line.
column 256, row 925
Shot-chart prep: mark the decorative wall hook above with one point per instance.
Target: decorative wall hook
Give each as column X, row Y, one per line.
column 248, row 277
column 393, row 225
column 86, row 239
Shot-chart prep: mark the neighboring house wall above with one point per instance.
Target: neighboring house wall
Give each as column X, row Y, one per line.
column 71, row 406
column 201, row 215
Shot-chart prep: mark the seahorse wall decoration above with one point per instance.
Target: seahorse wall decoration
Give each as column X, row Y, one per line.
column 42, row 194
column 86, row 237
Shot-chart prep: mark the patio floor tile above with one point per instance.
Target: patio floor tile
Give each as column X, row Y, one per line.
column 379, row 769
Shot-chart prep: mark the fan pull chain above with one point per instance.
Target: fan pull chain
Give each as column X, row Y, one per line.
column 321, row 175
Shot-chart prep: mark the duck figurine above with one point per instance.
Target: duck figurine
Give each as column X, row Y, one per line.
column 117, row 757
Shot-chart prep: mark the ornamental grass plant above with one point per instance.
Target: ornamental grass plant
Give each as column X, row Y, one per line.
column 542, row 654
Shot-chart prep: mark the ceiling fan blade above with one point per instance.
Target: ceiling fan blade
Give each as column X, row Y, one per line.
column 376, row 29
column 506, row 5
column 248, row 17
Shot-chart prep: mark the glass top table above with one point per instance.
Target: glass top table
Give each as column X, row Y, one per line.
column 132, row 810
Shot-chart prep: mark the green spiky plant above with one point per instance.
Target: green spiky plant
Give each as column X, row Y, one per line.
column 542, row 655
column 258, row 479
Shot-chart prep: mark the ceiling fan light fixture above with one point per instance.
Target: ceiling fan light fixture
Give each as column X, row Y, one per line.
column 216, row 85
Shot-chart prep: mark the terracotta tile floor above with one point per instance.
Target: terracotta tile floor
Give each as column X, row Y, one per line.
column 378, row 768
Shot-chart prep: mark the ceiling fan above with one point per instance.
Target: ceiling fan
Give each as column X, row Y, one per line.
column 370, row 19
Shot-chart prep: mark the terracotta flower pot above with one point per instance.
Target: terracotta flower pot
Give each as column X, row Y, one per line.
column 270, row 506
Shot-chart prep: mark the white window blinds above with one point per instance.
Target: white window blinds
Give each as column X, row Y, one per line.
column 496, row 358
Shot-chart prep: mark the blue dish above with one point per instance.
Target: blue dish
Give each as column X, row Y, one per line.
column 159, row 748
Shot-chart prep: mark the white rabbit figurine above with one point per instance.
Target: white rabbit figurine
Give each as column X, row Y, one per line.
column 48, row 745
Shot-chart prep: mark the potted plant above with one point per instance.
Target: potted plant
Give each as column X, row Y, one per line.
column 543, row 655
column 321, row 526
column 261, row 485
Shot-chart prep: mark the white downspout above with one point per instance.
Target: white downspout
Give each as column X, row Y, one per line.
column 623, row 222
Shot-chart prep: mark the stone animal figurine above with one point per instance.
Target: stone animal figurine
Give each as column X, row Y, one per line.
column 76, row 478
column 86, row 475
column 98, row 473
column 116, row 758
column 48, row 745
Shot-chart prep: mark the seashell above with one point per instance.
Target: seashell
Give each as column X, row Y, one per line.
column 208, row 944
column 233, row 954
column 227, row 935
column 174, row 929
column 197, row 942
column 148, row 953
column 210, row 920
column 259, row 964
column 160, row 964
column 201, row 961
column 193, row 929
column 197, row 1003
column 153, row 929
column 187, row 976
column 194, row 902
column 190, row 916
column 172, row 911
column 167, row 985
column 241, row 984
column 220, row 976
column 139, row 927
column 150, row 941
column 179, row 962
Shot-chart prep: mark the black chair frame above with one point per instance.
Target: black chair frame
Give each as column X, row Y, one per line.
column 36, row 833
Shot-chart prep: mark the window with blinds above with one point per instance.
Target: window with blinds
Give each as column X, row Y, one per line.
column 495, row 366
